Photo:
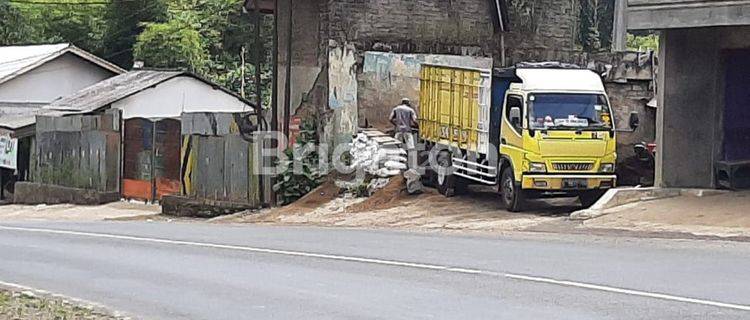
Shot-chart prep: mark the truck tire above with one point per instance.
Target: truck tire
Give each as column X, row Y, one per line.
column 511, row 193
column 589, row 198
column 446, row 183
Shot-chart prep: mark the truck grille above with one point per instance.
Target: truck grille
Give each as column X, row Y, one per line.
column 573, row 166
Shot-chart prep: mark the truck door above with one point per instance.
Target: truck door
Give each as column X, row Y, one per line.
column 512, row 134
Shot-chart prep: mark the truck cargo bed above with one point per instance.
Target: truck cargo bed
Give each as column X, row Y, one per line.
column 454, row 107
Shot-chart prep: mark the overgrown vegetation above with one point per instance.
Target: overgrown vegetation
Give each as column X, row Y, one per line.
column 204, row 36
column 303, row 166
column 646, row 42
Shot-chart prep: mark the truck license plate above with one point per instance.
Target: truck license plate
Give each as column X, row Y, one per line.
column 575, row 183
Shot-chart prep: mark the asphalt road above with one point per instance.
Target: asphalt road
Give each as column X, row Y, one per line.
column 198, row 271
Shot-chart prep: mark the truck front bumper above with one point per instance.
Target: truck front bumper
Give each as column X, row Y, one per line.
column 568, row 182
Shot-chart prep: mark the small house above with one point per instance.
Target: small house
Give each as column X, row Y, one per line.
column 31, row 77
column 146, row 108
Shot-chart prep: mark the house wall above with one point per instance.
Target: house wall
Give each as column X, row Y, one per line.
column 182, row 94
column 57, row 78
column 689, row 125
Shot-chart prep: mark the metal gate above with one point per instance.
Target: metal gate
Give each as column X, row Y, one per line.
column 151, row 164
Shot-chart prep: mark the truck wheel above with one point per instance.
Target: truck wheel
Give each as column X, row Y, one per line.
column 588, row 198
column 446, row 183
column 512, row 194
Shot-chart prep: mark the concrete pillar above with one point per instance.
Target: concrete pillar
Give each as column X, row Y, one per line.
column 660, row 85
column 620, row 28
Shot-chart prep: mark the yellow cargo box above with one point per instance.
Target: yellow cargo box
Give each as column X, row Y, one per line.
column 454, row 107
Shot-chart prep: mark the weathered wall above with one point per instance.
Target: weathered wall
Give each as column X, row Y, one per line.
column 689, row 131
column 629, row 82
column 309, row 55
column 330, row 33
column 386, row 78
column 78, row 152
column 342, row 93
column 539, row 29
column 57, row 78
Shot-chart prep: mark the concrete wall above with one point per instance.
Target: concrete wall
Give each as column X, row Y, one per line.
column 54, row 79
column 689, row 122
column 539, row 29
column 324, row 30
column 387, row 77
column 182, row 94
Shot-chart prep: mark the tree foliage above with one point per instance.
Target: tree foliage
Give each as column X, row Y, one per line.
column 125, row 20
column 14, row 29
column 202, row 36
column 172, row 45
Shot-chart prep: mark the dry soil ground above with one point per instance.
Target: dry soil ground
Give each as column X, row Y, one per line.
column 392, row 207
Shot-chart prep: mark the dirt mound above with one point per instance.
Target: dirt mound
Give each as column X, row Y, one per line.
column 392, row 195
column 314, row 199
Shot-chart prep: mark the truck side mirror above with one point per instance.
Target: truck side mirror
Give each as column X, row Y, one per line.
column 634, row 120
column 515, row 116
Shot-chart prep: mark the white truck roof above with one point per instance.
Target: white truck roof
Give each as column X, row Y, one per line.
column 559, row 80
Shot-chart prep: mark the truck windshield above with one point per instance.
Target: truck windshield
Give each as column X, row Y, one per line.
column 564, row 111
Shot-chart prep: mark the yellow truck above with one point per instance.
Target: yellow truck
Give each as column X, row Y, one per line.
column 533, row 130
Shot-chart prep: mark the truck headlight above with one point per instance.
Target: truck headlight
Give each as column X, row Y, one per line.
column 537, row 167
column 607, row 167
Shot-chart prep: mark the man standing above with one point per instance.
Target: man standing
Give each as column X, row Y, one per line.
column 404, row 118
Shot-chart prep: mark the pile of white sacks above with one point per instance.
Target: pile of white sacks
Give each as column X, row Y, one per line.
column 375, row 159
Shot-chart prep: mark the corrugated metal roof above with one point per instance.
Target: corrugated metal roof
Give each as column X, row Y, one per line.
column 18, row 121
column 102, row 94
column 106, row 92
column 17, row 60
column 12, row 108
column 111, row 90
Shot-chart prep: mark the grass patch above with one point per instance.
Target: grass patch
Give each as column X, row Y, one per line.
column 25, row 305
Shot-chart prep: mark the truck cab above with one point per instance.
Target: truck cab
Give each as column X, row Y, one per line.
column 533, row 130
column 556, row 134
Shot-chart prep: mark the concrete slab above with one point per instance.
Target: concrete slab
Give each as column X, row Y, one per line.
column 624, row 196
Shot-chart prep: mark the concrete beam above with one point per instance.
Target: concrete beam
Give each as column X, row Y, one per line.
column 671, row 14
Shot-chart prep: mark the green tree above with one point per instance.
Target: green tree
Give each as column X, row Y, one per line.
column 125, row 20
column 173, row 44
column 14, row 28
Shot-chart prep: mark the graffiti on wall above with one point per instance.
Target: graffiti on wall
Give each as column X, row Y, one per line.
column 388, row 77
column 342, row 91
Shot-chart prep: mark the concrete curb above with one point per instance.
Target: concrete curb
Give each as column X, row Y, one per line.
column 623, row 196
